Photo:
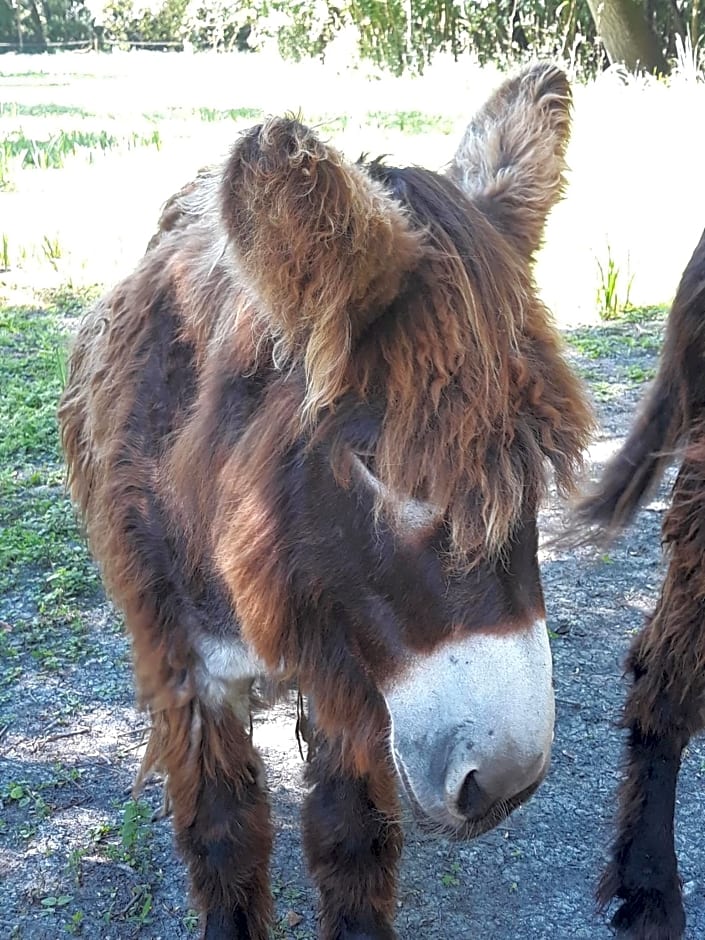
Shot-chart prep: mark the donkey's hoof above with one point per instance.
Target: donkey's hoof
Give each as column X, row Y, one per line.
column 221, row 924
column 365, row 928
column 651, row 915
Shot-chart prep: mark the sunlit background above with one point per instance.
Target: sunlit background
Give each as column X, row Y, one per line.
column 91, row 145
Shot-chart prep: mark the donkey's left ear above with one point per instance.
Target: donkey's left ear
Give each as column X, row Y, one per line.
column 320, row 244
column 511, row 159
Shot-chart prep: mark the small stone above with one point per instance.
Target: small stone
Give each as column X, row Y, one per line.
column 293, row 919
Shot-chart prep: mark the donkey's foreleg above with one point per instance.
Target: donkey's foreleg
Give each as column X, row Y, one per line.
column 643, row 871
column 221, row 818
column 353, row 843
column 665, row 707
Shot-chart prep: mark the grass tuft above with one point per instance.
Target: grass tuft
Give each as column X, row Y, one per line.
column 614, row 288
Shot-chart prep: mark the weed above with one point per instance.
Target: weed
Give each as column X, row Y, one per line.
column 140, row 907
column 10, row 164
column 75, row 924
column 27, row 799
column 610, row 302
column 53, row 902
column 51, row 248
column 450, row 879
column 5, row 253
column 135, row 830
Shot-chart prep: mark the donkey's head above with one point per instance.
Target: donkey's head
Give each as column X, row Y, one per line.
column 386, row 548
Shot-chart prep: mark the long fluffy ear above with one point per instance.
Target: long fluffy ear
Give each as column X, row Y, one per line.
column 320, row 244
column 511, row 159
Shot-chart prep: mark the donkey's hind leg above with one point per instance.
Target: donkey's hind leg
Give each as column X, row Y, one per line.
column 221, row 817
column 353, row 843
column 665, row 707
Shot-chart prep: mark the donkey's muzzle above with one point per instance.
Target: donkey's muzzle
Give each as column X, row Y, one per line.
column 493, row 789
column 472, row 728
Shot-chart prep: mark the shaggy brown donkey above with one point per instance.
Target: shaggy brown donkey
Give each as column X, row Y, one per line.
column 666, row 704
column 308, row 437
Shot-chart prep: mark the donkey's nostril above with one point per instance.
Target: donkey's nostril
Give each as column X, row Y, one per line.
column 473, row 802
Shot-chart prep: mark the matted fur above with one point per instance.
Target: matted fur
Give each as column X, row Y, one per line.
column 666, row 703
column 298, row 327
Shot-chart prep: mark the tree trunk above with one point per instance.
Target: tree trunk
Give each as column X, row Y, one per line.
column 627, row 35
column 19, row 27
column 695, row 22
column 40, row 26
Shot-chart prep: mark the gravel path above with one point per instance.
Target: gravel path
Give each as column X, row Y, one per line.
column 74, row 861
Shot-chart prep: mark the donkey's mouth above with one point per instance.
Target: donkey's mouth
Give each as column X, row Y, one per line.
column 441, row 823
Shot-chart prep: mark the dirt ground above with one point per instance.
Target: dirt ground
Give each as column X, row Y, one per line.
column 75, row 860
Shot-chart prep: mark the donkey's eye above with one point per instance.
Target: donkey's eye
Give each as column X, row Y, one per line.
column 367, row 459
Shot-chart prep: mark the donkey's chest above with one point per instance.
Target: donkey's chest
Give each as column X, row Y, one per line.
column 225, row 671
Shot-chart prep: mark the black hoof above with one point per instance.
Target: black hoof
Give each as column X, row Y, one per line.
column 651, row 915
column 225, row 925
column 366, row 928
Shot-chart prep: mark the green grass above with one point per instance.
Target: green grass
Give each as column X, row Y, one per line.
column 408, row 122
column 19, row 151
column 41, row 551
column 232, row 114
column 613, row 339
column 17, row 109
column 411, row 122
column 48, row 77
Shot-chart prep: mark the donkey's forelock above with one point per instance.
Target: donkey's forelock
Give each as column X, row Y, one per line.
column 477, row 393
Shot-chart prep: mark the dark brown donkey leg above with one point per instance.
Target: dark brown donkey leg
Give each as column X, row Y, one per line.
column 664, row 709
column 221, row 817
column 353, row 843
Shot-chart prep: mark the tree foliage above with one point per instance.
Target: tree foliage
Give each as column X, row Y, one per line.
column 398, row 35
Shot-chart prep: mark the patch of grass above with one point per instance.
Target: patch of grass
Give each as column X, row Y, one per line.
column 16, row 109
column 616, row 341
column 640, row 374
column 52, row 152
column 411, row 122
column 40, row 546
column 46, row 75
column 653, row 314
column 69, row 299
column 232, row 114
column 607, row 391
column 31, row 387
column 10, row 164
